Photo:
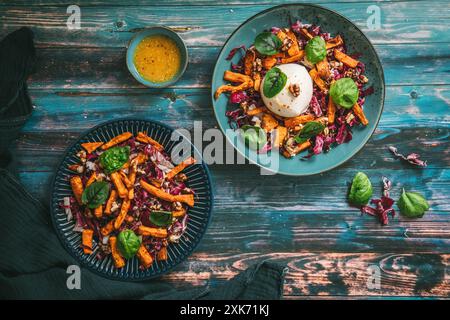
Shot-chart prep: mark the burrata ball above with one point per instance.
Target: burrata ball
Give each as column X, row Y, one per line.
column 285, row 103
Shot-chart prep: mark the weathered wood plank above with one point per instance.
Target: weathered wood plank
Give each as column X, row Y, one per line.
column 402, row 22
column 87, row 68
column 75, row 110
column 323, row 274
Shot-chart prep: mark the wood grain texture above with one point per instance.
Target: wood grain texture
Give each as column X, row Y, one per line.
column 302, row 222
column 210, row 25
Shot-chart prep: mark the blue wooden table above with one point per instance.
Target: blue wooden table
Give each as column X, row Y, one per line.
column 82, row 80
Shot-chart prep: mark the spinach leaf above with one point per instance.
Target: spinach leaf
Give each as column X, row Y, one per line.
column 274, row 82
column 267, row 43
column 361, row 190
column 113, row 159
column 412, row 204
column 309, row 130
column 96, row 194
column 255, row 137
column 161, row 218
column 128, row 243
column 316, row 49
column 344, row 92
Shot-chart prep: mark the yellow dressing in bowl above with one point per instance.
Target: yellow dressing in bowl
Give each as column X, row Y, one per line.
column 157, row 58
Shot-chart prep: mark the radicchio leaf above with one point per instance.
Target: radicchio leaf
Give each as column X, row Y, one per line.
column 234, row 51
column 412, row 158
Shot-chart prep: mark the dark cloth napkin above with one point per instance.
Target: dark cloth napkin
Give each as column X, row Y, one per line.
column 33, row 263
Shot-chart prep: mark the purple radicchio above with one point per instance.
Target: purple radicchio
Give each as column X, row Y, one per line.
column 383, row 207
column 413, row 158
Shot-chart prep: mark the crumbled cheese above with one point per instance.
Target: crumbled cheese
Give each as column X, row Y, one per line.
column 90, row 165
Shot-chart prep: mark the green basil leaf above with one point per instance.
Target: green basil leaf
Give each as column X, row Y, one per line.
column 274, row 82
column 412, row 204
column 309, row 130
column 361, row 190
column 161, row 218
column 255, row 137
column 96, row 194
column 128, row 243
column 344, row 92
column 316, row 49
column 267, row 43
column 113, row 159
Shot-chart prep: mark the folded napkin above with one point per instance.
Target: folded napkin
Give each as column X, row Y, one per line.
column 33, row 263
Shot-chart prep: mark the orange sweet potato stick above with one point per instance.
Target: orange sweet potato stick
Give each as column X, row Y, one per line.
column 162, row 254
column 108, row 228
column 179, row 213
column 161, row 194
column 119, row 262
column 318, row 80
column 77, row 188
column 358, row 111
column 122, row 214
column 323, row 68
column 125, row 180
column 345, row 59
column 111, row 199
column 152, row 232
column 298, row 149
column 144, row 257
column 98, row 212
column 250, row 56
column 295, row 121
column 86, row 240
column 144, row 138
column 299, row 56
column 180, row 167
column 117, row 180
column 116, row 140
column 335, row 42
column 331, row 112
column 255, row 111
column 91, row 146
column 91, row 179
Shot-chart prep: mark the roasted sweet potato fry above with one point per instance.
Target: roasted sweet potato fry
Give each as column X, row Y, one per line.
column 331, row 112
column 335, row 42
column 294, row 49
column 295, row 121
column 98, row 212
column 299, row 56
column 116, row 140
column 162, row 254
column 256, row 111
column 119, row 262
column 268, row 122
column 117, row 180
column 305, row 32
column 179, row 213
column 297, row 149
column 91, row 146
column 144, row 257
column 144, row 138
column 269, row 62
column 250, row 57
column 161, row 194
column 91, row 179
column 152, row 232
column 280, row 135
column 318, row 80
column 345, row 59
column 256, row 81
column 323, row 68
column 122, row 214
column 236, row 77
column 358, row 111
column 125, row 179
column 112, row 197
column 180, row 167
column 230, row 88
column 86, row 240
column 108, row 228
column 77, row 188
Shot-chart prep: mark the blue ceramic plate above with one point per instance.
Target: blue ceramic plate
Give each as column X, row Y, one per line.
column 199, row 215
column 355, row 40
column 150, row 32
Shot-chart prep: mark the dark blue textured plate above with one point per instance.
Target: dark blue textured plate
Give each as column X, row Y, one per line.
column 198, row 178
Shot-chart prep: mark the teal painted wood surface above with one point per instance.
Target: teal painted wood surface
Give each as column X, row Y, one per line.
column 305, row 222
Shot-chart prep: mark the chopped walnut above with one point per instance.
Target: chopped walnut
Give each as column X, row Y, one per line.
column 287, row 44
column 349, row 118
column 294, row 89
column 257, row 65
column 114, row 206
column 363, row 79
column 82, row 155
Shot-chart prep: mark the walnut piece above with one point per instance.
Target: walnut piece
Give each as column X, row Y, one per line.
column 294, row 89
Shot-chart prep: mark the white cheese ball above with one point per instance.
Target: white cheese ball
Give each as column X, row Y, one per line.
column 284, row 103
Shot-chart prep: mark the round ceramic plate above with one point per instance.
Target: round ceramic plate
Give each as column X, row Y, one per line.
column 355, row 41
column 199, row 215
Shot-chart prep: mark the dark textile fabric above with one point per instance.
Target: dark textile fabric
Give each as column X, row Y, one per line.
column 33, row 263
